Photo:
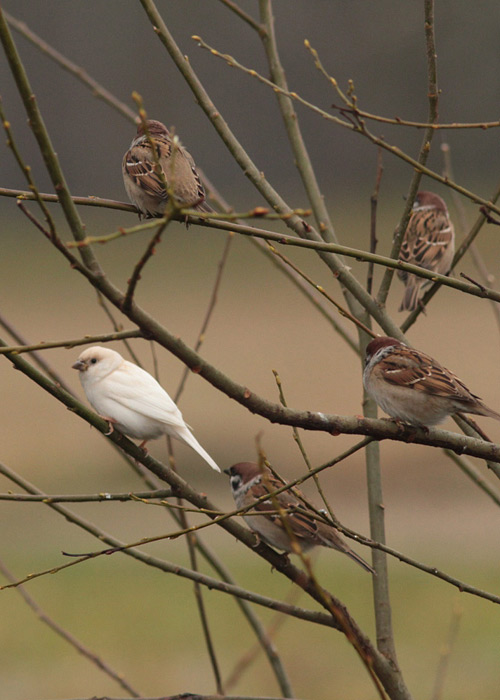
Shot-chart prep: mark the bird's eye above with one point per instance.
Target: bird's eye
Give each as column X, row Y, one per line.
column 93, row 360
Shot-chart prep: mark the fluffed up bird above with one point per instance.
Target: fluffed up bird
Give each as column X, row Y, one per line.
column 143, row 183
column 132, row 400
column 249, row 483
column 429, row 242
column 413, row 387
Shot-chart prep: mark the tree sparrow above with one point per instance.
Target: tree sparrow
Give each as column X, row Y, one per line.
column 429, row 242
column 144, row 185
column 132, row 400
column 249, row 482
column 412, row 387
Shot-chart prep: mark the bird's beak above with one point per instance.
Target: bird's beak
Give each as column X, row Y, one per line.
column 79, row 365
column 227, row 471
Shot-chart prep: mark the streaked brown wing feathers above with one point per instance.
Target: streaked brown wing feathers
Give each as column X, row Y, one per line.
column 420, row 372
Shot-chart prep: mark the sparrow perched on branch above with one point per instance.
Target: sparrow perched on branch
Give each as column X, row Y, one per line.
column 429, row 242
column 143, row 183
column 249, row 482
column 412, row 387
column 132, row 400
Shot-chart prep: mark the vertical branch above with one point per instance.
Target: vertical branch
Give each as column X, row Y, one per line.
column 191, row 541
column 291, row 121
column 437, row 691
column 380, row 582
column 373, row 219
column 432, row 118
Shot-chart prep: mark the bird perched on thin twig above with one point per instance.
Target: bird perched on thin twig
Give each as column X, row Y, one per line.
column 296, row 521
column 130, row 399
column 413, row 387
column 429, row 242
column 144, row 185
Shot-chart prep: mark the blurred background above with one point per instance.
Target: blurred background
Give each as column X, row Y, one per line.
column 145, row 623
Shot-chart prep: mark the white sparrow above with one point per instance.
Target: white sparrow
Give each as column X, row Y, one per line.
column 249, row 482
column 413, row 387
column 132, row 400
column 144, row 185
column 429, row 242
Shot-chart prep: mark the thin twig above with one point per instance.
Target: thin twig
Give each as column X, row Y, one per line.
column 36, row 356
column 141, row 263
column 75, row 70
column 373, row 219
column 271, row 632
column 68, row 344
column 26, row 169
column 343, row 312
column 475, row 475
column 140, row 496
column 210, row 309
column 90, row 201
column 444, row 659
column 118, row 327
column 298, row 441
column 244, row 16
column 73, row 641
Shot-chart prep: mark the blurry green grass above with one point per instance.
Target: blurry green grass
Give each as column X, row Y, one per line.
column 145, row 624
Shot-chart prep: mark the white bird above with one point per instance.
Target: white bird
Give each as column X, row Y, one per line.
column 132, row 400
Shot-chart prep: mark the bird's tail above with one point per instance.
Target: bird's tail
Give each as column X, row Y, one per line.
column 332, row 539
column 188, row 438
column 411, row 295
column 484, row 410
column 359, row 560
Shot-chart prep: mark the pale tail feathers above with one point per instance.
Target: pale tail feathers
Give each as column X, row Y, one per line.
column 204, row 206
column 336, row 542
column 188, row 438
column 411, row 296
column 359, row 560
column 484, row 411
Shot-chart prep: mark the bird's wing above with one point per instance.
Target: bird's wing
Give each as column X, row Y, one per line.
column 426, row 240
column 200, row 190
column 139, row 164
column 301, row 524
column 136, row 389
column 405, row 368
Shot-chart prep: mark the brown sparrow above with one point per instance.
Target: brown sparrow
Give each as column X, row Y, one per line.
column 131, row 399
column 412, row 387
column 144, row 185
column 249, row 482
column 429, row 242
